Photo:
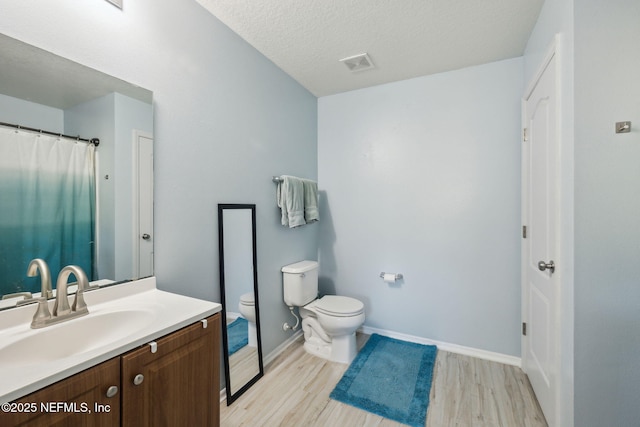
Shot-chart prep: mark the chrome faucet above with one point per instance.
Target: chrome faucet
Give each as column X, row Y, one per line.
column 61, row 309
column 45, row 276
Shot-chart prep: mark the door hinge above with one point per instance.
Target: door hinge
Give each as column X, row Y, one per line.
column 525, row 137
column 524, row 231
column 524, row 328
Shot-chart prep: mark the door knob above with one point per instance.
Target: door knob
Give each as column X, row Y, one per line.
column 145, row 236
column 137, row 380
column 112, row 391
column 542, row 266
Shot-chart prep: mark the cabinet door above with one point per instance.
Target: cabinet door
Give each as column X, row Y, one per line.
column 80, row 400
column 178, row 385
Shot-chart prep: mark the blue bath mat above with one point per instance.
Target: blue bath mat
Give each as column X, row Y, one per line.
column 237, row 335
column 390, row 378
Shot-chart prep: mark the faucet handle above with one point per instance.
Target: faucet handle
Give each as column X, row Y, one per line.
column 26, row 295
column 42, row 313
column 28, row 298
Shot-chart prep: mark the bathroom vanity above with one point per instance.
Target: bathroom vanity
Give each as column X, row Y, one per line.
column 162, row 368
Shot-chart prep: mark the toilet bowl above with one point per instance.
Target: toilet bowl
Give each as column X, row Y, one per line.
column 329, row 323
column 248, row 311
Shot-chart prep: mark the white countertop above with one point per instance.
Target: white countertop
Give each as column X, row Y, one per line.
column 169, row 312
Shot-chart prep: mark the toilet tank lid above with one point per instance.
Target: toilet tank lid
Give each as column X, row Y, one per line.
column 300, row 267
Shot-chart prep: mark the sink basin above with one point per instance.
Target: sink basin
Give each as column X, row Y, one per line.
column 74, row 336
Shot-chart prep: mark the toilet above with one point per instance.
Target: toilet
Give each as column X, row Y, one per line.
column 247, row 307
column 329, row 323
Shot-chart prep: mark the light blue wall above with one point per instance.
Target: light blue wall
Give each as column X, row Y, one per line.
column 607, row 229
column 26, row 113
column 422, row 177
column 226, row 120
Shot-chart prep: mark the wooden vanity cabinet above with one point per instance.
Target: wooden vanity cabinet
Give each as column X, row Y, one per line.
column 71, row 402
column 178, row 384
column 178, row 387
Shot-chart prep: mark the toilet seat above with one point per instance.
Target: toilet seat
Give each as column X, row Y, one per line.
column 247, row 299
column 339, row 306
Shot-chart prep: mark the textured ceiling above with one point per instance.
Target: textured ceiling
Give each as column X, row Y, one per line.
column 404, row 38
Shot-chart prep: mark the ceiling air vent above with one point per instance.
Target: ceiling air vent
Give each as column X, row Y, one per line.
column 358, row 62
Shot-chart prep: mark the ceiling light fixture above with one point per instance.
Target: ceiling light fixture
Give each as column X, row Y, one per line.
column 359, row 62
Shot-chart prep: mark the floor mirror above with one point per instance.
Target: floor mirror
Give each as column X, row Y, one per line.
column 239, row 293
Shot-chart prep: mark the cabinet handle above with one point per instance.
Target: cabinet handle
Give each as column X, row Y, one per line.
column 112, row 391
column 137, row 380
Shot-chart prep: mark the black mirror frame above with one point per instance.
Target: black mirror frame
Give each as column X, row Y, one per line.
column 231, row 397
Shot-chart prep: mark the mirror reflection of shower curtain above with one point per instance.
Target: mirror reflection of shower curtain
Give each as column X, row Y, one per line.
column 47, row 206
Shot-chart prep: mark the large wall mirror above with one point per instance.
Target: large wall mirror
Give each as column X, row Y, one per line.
column 239, row 293
column 43, row 91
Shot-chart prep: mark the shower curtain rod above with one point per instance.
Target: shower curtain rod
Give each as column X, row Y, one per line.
column 94, row 141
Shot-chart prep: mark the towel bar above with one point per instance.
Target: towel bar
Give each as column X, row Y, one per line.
column 279, row 179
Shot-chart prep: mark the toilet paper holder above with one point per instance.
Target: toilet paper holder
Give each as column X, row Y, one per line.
column 398, row 275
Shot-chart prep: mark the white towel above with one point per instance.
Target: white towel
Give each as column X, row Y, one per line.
column 311, row 213
column 290, row 198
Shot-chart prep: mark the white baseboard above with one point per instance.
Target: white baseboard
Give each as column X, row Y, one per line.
column 453, row 348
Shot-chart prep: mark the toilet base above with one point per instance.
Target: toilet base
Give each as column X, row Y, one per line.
column 317, row 347
column 344, row 348
column 341, row 349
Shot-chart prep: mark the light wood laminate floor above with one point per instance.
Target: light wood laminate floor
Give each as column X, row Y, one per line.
column 466, row 392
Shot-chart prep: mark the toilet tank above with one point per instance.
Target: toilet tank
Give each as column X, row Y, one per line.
column 300, row 282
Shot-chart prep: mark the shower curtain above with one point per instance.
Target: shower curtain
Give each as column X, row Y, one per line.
column 47, row 206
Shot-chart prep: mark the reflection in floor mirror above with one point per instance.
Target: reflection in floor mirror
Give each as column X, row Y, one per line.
column 239, row 294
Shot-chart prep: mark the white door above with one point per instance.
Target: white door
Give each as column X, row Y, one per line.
column 540, row 245
column 143, row 205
